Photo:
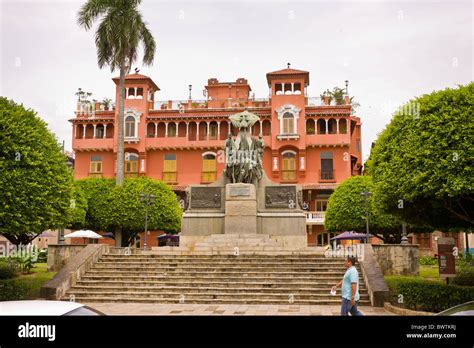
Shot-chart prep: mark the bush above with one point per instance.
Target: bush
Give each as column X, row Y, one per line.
column 428, row 261
column 43, row 256
column 11, row 290
column 8, row 269
column 431, row 296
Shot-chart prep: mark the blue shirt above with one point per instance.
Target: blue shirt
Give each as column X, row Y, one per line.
column 351, row 276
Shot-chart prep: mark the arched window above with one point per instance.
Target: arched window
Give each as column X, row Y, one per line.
column 130, row 127
column 321, row 126
column 310, row 126
column 332, row 126
column 288, row 168
column 171, row 129
column 266, row 127
column 131, row 164
column 288, row 123
column 343, row 126
column 209, row 168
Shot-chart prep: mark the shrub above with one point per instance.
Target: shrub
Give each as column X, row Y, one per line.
column 8, row 269
column 11, row 290
column 464, row 273
column 428, row 261
column 43, row 256
column 431, row 296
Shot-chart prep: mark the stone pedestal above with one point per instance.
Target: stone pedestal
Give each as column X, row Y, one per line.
column 240, row 209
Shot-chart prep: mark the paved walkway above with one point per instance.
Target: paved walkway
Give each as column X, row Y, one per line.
column 225, row 309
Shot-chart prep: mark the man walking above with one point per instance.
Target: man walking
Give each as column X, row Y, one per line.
column 350, row 288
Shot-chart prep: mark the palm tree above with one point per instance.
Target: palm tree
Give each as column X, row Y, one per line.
column 120, row 33
column 118, row 37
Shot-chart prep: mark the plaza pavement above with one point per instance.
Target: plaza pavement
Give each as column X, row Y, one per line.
column 226, row 309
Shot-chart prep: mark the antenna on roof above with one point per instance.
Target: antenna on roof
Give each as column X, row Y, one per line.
column 137, row 70
column 288, row 65
column 347, row 87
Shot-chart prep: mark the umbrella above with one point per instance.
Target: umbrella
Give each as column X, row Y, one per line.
column 109, row 235
column 45, row 235
column 350, row 235
column 83, row 234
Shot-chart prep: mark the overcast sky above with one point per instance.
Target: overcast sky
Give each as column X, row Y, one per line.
column 389, row 51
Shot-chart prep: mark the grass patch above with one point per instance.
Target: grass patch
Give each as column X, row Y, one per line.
column 26, row 286
column 429, row 272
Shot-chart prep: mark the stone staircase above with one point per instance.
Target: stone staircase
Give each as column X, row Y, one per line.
column 213, row 279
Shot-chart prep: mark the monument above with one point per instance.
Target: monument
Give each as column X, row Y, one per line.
column 243, row 201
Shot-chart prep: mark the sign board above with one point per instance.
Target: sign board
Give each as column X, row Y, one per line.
column 446, row 260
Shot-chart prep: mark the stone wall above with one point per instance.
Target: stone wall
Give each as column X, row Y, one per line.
column 397, row 259
column 59, row 255
column 379, row 292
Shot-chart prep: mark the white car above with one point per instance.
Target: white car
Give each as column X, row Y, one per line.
column 40, row 307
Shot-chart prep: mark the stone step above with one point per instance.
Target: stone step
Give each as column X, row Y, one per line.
column 237, row 268
column 216, row 272
column 200, row 278
column 124, row 299
column 235, row 260
column 192, row 257
column 205, row 295
column 204, row 289
column 172, row 284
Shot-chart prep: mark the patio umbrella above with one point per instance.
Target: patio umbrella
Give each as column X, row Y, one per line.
column 83, row 234
column 45, row 235
column 350, row 235
column 108, row 235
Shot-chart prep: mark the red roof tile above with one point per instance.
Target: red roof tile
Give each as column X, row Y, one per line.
column 134, row 77
column 289, row 72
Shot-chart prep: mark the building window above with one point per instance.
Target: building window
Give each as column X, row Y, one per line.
column 213, row 131
column 171, row 129
column 358, row 145
column 288, row 171
column 95, row 167
column 321, row 205
column 288, row 123
column 131, row 165
column 342, row 126
column 321, row 126
column 99, row 131
column 332, row 127
column 209, row 170
column 424, row 240
column 327, row 169
column 169, row 168
column 130, row 127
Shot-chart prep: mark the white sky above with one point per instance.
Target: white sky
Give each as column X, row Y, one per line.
column 389, row 51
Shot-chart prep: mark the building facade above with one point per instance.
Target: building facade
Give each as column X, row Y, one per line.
column 308, row 141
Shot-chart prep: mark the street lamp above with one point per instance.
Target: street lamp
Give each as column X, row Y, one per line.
column 147, row 199
column 365, row 195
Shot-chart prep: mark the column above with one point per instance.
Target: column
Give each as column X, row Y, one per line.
column 105, row 131
column 218, row 130
column 156, row 129
column 166, row 129
column 327, row 126
column 197, row 130
column 207, row 133
column 187, row 130
column 292, row 87
column 337, row 126
column 126, row 92
column 83, row 131
column 75, row 131
column 93, row 135
column 261, row 129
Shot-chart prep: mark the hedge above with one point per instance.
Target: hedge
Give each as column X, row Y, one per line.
column 430, row 296
column 12, row 290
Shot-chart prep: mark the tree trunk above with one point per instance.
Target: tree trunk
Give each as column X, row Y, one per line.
column 120, row 133
column 120, row 144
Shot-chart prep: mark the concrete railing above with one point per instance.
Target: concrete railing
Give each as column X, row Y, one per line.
column 60, row 254
column 76, row 267
column 379, row 292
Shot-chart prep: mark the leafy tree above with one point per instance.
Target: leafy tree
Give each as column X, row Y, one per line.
column 120, row 33
column 423, row 162
column 35, row 183
column 112, row 207
column 78, row 208
column 346, row 211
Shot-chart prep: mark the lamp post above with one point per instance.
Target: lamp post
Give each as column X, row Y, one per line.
column 147, row 199
column 365, row 195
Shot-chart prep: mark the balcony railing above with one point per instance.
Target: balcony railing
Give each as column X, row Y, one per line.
column 326, row 175
column 315, row 217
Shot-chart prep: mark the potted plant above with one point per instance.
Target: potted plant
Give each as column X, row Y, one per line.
column 106, row 103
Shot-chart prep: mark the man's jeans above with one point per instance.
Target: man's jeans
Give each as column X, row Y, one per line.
column 347, row 307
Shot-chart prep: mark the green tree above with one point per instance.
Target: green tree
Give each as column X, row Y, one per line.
column 423, row 162
column 118, row 37
column 112, row 207
column 78, row 208
column 346, row 211
column 35, row 183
